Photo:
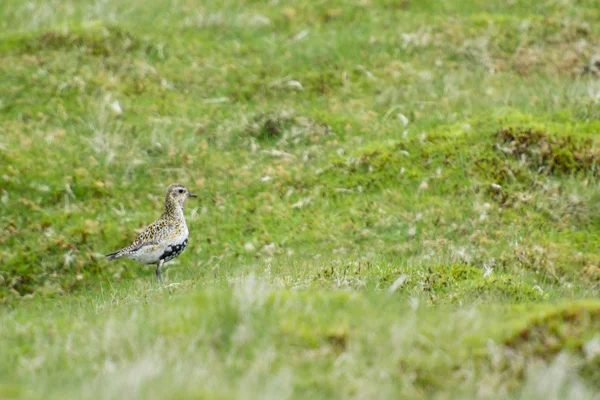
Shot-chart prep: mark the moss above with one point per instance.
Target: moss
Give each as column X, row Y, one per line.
column 543, row 153
column 284, row 129
column 376, row 167
column 442, row 278
column 443, row 283
column 94, row 39
column 568, row 329
column 563, row 329
column 506, row 286
column 525, row 46
column 460, row 282
column 523, row 164
column 13, row 391
column 268, row 126
column 534, row 259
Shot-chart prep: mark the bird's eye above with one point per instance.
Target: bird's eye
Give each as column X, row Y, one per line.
column 180, row 190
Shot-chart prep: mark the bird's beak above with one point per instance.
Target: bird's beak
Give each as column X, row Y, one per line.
column 191, row 195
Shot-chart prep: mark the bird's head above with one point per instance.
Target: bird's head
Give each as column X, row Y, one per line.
column 178, row 193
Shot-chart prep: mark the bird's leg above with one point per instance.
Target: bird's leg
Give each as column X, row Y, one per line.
column 159, row 272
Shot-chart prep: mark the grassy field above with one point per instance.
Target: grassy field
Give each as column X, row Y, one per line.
column 397, row 199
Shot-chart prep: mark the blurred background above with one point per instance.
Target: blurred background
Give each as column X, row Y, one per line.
column 355, row 161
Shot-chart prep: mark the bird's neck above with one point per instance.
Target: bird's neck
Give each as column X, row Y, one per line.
column 174, row 209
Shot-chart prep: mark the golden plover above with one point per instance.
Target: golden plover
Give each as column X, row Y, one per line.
column 165, row 238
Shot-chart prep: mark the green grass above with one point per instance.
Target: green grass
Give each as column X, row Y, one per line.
column 397, row 199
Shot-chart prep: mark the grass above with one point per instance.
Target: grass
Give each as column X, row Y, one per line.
column 397, row 199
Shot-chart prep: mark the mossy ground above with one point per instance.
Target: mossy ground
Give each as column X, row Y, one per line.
column 397, row 199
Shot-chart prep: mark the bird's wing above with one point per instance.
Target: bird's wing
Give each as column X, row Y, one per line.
column 138, row 245
column 131, row 249
column 152, row 235
column 155, row 232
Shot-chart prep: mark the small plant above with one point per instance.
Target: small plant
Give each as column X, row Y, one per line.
column 571, row 329
column 286, row 129
column 549, row 154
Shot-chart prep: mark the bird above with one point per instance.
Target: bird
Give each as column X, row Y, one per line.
column 164, row 239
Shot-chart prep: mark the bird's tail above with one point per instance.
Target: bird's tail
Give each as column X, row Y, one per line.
column 116, row 255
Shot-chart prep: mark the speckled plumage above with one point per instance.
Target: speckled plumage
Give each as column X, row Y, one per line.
column 166, row 238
